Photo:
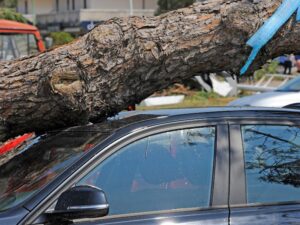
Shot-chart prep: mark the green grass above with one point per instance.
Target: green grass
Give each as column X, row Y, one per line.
column 269, row 68
column 199, row 99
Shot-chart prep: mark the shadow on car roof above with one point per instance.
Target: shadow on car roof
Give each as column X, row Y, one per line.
column 174, row 112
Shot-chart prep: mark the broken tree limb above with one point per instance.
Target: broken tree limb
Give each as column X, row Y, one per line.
column 125, row 60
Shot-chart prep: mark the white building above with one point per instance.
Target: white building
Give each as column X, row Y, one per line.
column 78, row 15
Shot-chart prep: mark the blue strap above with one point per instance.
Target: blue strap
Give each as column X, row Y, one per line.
column 270, row 28
column 250, row 60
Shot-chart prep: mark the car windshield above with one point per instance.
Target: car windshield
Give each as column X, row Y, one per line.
column 14, row 46
column 291, row 86
column 26, row 170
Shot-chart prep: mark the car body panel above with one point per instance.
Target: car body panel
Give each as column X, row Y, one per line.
column 193, row 217
column 13, row 216
column 262, row 215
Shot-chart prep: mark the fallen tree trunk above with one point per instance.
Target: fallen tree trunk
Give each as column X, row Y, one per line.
column 125, row 60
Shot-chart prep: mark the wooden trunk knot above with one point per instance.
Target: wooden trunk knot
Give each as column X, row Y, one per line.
column 66, row 83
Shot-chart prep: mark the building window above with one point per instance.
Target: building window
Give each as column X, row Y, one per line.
column 26, row 7
column 68, row 5
column 57, row 5
column 73, row 4
column 84, row 4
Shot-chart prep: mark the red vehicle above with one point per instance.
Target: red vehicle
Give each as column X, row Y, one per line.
column 15, row 143
column 18, row 40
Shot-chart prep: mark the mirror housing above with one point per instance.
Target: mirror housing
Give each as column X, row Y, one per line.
column 80, row 202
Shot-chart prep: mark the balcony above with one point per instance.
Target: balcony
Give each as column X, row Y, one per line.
column 57, row 20
column 73, row 19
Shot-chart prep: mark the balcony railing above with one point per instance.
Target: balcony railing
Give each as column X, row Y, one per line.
column 70, row 18
column 74, row 18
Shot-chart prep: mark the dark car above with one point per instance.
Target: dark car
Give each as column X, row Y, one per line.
column 193, row 166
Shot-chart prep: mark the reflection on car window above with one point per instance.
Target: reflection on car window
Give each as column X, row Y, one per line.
column 166, row 171
column 272, row 157
column 33, row 168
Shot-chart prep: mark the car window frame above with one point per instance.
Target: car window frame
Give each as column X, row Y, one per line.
column 219, row 198
column 161, row 137
column 238, row 182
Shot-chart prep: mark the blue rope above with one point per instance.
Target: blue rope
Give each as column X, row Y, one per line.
column 270, row 28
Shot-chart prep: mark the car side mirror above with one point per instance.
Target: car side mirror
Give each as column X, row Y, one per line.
column 79, row 202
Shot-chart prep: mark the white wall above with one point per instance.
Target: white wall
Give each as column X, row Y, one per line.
column 49, row 6
column 62, row 5
column 149, row 4
column 44, row 6
column 78, row 4
column 41, row 6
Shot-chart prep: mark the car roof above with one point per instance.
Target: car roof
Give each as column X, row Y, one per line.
column 211, row 112
column 140, row 119
column 13, row 25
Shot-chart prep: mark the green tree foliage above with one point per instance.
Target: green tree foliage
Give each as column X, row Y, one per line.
column 61, row 38
column 269, row 68
column 168, row 5
column 10, row 14
column 8, row 3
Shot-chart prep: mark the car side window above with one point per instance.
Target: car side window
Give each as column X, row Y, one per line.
column 272, row 163
column 166, row 171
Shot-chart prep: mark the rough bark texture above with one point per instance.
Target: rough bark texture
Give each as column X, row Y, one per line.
column 127, row 59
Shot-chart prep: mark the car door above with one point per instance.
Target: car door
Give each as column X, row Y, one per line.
column 173, row 175
column 167, row 178
column 265, row 172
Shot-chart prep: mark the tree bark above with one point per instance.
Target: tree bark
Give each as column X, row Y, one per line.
column 125, row 60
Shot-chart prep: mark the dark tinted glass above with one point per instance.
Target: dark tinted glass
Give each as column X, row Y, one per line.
column 166, row 171
column 272, row 157
column 32, row 168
